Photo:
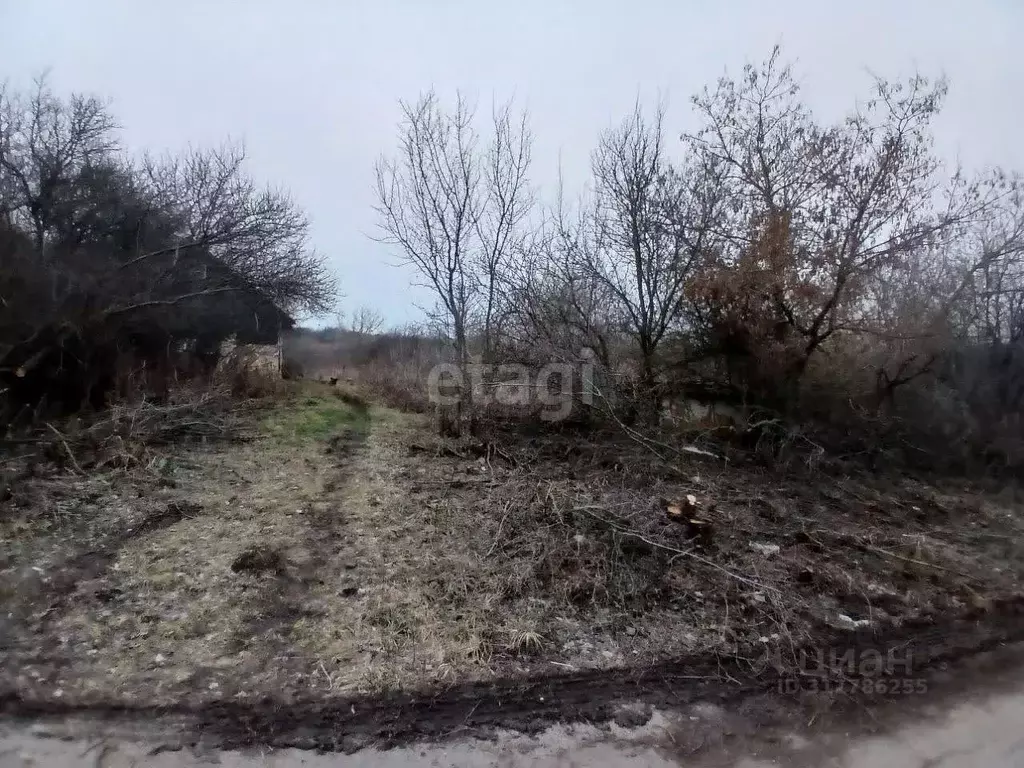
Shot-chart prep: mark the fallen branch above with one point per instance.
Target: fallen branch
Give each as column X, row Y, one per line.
column 688, row 553
column 904, row 558
column 654, row 446
column 67, row 449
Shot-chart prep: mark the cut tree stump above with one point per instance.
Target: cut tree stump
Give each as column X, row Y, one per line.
column 686, row 512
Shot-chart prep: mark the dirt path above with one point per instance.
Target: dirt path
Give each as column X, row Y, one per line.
column 982, row 729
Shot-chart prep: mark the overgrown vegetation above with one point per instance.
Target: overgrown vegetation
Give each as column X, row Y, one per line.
column 837, row 278
column 392, row 365
column 741, row 314
column 120, row 276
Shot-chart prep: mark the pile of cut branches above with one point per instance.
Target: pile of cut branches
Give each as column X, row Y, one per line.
column 123, row 436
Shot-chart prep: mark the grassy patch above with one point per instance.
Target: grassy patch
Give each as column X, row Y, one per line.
column 317, row 417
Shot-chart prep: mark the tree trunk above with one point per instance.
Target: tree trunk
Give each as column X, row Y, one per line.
column 649, row 400
column 465, row 414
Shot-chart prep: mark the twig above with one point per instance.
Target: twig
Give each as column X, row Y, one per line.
column 465, row 720
column 505, row 455
column 906, row 559
column 71, row 456
column 678, row 552
column 497, row 535
column 651, row 444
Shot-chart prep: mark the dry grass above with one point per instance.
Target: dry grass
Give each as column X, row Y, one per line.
column 401, row 559
column 393, row 629
column 176, row 606
column 168, row 606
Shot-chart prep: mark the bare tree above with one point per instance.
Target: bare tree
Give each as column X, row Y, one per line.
column 557, row 308
column 650, row 228
column 45, row 142
column 454, row 209
column 504, row 208
column 366, row 321
column 428, row 200
column 105, row 258
column 259, row 234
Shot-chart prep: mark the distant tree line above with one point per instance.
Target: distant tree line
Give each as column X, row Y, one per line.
column 334, row 351
column 115, row 270
column 836, row 273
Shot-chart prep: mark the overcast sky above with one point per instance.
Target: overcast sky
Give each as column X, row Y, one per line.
column 311, row 86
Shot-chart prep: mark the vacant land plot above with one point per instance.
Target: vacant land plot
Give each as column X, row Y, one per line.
column 342, row 553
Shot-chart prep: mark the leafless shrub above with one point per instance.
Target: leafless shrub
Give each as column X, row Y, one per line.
column 399, row 385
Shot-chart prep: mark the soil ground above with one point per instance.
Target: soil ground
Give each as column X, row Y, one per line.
column 345, row 578
column 953, row 726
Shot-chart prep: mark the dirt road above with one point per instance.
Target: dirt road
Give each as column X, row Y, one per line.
column 982, row 730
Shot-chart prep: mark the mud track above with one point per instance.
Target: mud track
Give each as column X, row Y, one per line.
column 350, row 723
column 283, row 596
